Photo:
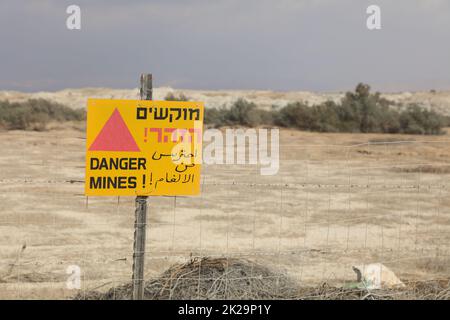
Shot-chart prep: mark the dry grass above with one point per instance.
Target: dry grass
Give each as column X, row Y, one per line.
column 430, row 290
column 329, row 208
column 433, row 169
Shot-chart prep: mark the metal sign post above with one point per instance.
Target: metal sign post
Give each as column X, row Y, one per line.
column 130, row 151
column 140, row 223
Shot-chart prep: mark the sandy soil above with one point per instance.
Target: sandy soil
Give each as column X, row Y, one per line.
column 338, row 200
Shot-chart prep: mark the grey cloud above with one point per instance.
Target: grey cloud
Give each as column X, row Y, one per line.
column 222, row 44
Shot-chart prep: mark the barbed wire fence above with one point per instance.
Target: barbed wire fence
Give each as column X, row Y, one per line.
column 331, row 206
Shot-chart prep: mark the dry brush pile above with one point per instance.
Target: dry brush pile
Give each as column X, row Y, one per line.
column 241, row 279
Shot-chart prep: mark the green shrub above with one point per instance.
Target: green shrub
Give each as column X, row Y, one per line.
column 35, row 114
column 358, row 111
column 416, row 120
column 172, row 97
column 241, row 113
column 215, row 117
column 361, row 111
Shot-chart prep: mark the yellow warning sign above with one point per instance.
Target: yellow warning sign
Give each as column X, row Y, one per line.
column 143, row 147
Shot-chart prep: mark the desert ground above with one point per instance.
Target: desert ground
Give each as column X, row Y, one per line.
column 337, row 201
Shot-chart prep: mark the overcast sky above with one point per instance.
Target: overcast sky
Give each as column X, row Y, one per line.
column 320, row 45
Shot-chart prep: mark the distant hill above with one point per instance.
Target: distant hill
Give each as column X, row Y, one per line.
column 76, row 98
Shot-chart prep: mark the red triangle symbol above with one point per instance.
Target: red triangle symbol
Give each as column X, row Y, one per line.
column 115, row 136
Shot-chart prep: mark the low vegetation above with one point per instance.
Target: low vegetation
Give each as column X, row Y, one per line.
column 35, row 114
column 241, row 113
column 173, row 97
column 359, row 111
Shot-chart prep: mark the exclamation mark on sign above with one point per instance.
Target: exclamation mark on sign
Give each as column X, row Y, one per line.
column 145, row 134
column 143, row 181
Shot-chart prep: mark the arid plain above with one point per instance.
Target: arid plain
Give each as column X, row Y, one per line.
column 337, row 201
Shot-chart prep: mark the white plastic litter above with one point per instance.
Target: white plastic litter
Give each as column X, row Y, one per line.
column 377, row 276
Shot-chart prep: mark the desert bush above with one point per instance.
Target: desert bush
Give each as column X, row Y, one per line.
column 241, row 113
column 215, row 117
column 358, row 111
column 172, row 97
column 416, row 120
column 35, row 114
